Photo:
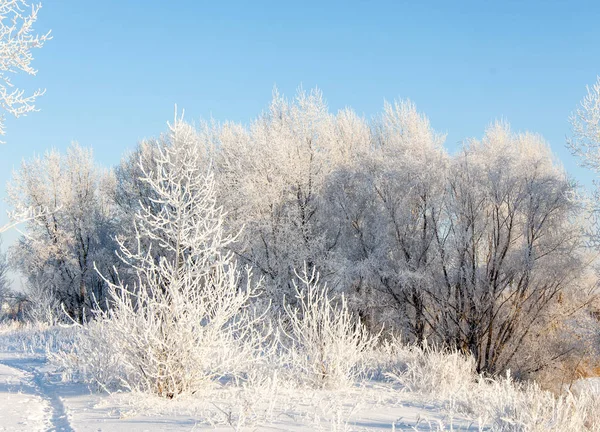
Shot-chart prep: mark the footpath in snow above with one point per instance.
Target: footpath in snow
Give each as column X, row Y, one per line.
column 34, row 399
column 22, row 406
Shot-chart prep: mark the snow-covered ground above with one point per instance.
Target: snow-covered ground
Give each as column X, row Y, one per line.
column 22, row 403
column 434, row 390
column 34, row 398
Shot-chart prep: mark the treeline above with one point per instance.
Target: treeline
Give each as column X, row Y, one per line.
column 483, row 250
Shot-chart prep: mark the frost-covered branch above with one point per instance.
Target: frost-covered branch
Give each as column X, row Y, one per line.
column 186, row 320
column 17, row 39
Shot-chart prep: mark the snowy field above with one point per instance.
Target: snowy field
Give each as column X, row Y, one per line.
column 435, row 392
column 35, row 396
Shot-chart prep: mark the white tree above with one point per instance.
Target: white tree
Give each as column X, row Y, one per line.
column 585, row 142
column 386, row 205
column 473, row 251
column 272, row 176
column 132, row 193
column 509, row 244
column 62, row 243
column 4, row 282
column 187, row 320
column 17, row 39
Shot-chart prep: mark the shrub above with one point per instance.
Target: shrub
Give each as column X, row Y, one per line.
column 325, row 343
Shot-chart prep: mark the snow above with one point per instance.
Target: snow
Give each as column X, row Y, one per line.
column 34, row 398
column 30, row 400
column 23, row 408
column 435, row 391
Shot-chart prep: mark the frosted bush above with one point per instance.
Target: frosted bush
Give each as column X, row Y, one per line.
column 187, row 320
column 449, row 378
column 428, row 370
column 35, row 338
column 325, row 345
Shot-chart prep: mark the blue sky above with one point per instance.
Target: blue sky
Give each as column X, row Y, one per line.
column 115, row 69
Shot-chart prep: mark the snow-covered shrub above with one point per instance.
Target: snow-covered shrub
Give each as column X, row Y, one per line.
column 507, row 405
column 46, row 309
column 429, row 370
column 324, row 343
column 186, row 321
column 501, row 403
column 35, row 338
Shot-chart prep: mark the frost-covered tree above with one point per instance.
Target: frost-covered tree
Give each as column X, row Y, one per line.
column 386, row 206
column 4, row 282
column 132, row 193
column 472, row 251
column 585, row 144
column 186, row 320
column 509, row 246
column 272, row 176
column 58, row 251
column 17, row 40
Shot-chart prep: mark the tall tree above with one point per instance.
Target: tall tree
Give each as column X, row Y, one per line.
column 185, row 320
column 272, row 177
column 509, row 245
column 585, row 144
column 61, row 246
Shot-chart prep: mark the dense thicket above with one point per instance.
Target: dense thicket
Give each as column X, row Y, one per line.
column 481, row 251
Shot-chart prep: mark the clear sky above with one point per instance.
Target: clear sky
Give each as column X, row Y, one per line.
column 115, row 68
